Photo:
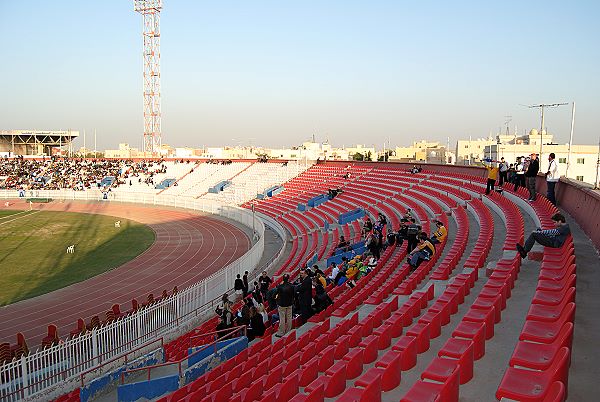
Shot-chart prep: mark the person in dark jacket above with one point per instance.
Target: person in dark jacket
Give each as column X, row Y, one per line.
column 412, row 233
column 322, row 299
column 554, row 238
column 530, row 174
column 265, row 282
column 285, row 301
column 238, row 286
column 305, row 295
column 245, row 280
column 271, row 298
column 257, row 325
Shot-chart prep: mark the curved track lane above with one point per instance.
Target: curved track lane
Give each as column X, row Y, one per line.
column 188, row 247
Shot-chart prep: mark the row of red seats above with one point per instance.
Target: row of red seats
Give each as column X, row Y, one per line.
column 542, row 356
column 539, row 366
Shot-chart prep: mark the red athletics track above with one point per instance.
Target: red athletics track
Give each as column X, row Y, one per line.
column 188, row 247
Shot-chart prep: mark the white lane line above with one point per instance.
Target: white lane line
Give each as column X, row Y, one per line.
column 19, row 217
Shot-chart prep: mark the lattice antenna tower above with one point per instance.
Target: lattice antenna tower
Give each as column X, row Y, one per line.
column 150, row 10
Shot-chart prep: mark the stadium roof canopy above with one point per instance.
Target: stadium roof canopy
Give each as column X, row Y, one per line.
column 34, row 142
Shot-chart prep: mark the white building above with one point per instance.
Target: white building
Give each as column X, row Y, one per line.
column 582, row 164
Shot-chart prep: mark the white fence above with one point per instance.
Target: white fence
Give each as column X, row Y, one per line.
column 33, row 376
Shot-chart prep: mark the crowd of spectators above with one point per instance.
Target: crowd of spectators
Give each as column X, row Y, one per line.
column 72, row 173
column 307, row 294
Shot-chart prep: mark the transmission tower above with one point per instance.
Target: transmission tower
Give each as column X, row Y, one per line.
column 150, row 10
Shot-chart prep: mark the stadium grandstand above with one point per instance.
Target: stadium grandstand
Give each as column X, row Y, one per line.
column 34, row 142
column 471, row 321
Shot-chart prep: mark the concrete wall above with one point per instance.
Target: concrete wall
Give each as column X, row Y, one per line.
column 580, row 201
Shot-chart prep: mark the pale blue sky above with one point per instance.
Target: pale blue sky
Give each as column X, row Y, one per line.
column 275, row 72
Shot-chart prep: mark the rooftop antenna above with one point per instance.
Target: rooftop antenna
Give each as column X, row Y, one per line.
column 507, row 121
column 597, row 183
column 150, row 10
column 542, row 107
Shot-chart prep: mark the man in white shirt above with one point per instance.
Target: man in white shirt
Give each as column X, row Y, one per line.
column 519, row 173
column 503, row 167
column 551, row 178
column 334, row 271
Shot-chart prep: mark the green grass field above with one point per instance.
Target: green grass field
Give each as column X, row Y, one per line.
column 33, row 258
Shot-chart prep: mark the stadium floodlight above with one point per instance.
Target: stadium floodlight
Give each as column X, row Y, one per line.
column 150, row 10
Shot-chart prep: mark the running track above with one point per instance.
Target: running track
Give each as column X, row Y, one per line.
column 188, row 247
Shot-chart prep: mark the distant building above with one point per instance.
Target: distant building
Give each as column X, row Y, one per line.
column 35, row 142
column 421, row 152
column 583, row 157
column 124, row 152
column 469, row 152
column 472, row 151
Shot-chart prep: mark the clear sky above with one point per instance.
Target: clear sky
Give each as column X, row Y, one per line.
column 275, row 72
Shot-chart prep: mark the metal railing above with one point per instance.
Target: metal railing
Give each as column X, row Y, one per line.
column 225, row 334
column 44, row 369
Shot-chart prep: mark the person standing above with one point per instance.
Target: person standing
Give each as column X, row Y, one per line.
column 491, row 179
column 285, row 301
column 265, row 282
column 530, row 175
column 238, row 286
column 551, row 178
column 412, row 231
column 305, row 295
column 503, row 172
column 519, row 173
column 245, row 280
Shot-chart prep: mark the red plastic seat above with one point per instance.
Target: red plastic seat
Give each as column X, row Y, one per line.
column 391, row 363
column 539, row 356
column 548, row 298
column 372, row 375
column 443, row 309
column 557, row 392
column 554, row 286
column 435, row 323
column 291, row 364
column 539, row 312
column 384, row 335
column 369, row 345
column 485, row 316
column 474, row 331
column 283, row 391
column 274, row 377
column 429, row 391
column 341, row 346
column 495, row 303
column 462, row 350
column 556, row 274
column 309, row 372
column 546, row 332
column 52, row 337
column 81, row 328
column 252, row 393
column 245, row 381
column 260, row 370
column 317, row 395
column 371, row 392
column 528, row 385
column 440, row 369
column 334, row 380
column 420, row 331
column 326, row 358
column 355, row 362
column 407, row 345
column 222, row 394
